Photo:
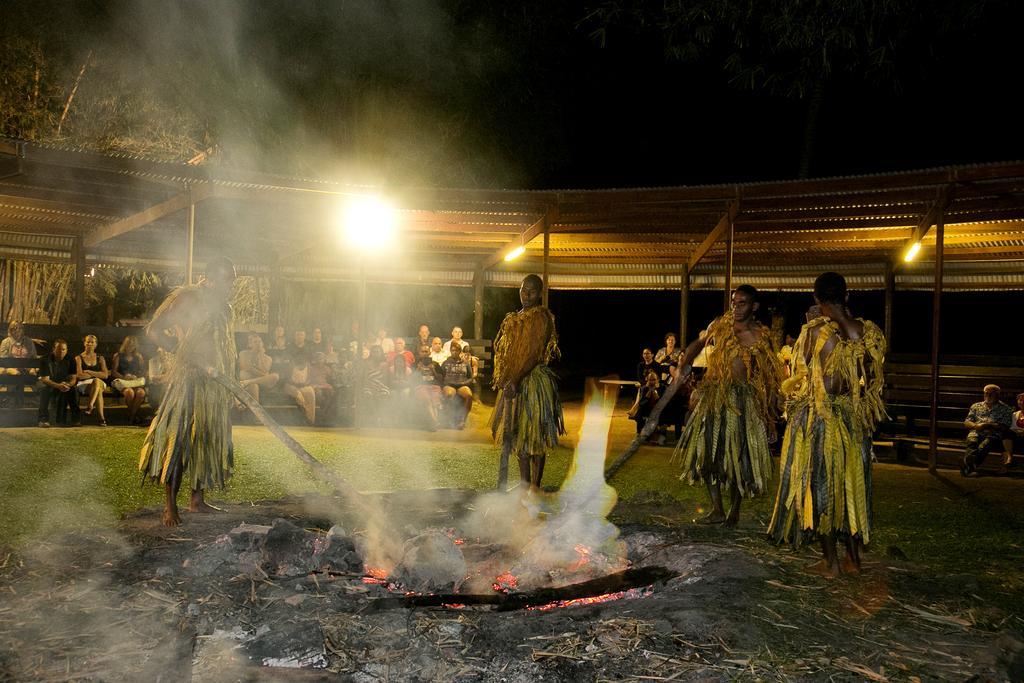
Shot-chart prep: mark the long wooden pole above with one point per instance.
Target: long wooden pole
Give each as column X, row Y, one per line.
column 547, row 249
column 684, row 305
column 933, row 446
column 478, row 303
column 78, row 260
column 890, row 296
column 729, row 242
column 191, row 239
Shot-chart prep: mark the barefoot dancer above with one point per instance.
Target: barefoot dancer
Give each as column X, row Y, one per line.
column 527, row 417
column 192, row 431
column 726, row 439
column 835, row 397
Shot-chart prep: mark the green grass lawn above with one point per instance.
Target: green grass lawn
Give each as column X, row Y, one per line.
column 65, row 479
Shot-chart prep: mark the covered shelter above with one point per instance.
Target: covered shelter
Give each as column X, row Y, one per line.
column 86, row 209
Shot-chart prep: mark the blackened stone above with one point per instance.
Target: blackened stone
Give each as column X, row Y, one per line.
column 431, row 562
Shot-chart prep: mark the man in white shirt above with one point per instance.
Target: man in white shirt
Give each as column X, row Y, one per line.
column 456, row 336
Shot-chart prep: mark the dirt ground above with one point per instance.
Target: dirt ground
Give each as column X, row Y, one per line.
column 201, row 603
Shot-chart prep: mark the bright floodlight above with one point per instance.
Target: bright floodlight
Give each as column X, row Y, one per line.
column 368, row 223
column 912, row 252
column 515, row 253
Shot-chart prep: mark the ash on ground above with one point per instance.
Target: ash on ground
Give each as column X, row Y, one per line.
column 278, row 591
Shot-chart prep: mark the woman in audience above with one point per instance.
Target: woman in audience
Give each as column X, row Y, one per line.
column 129, row 378
column 386, row 343
column 458, row 381
column 647, row 364
column 17, row 345
column 428, row 376
column 91, row 370
column 456, row 337
column 254, row 366
column 668, row 355
column 649, row 395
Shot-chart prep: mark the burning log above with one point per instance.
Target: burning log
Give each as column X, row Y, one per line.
column 618, row 585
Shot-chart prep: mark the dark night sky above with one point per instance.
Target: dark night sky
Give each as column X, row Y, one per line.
column 487, row 93
column 491, row 93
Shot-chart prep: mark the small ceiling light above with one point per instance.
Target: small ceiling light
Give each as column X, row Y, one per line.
column 912, row 252
column 515, row 253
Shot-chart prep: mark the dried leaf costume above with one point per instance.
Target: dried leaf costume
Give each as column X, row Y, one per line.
column 192, row 426
column 825, row 482
column 531, row 421
column 726, row 439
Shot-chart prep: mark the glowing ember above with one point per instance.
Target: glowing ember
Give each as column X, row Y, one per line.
column 453, row 605
column 458, row 541
column 607, row 597
column 376, row 575
column 505, row 582
column 584, row 553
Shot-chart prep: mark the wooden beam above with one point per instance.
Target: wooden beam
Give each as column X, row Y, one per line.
column 890, row 297
column 78, row 264
column 684, row 306
column 145, row 217
column 715, row 235
column 933, row 443
column 478, row 303
column 544, row 273
column 527, row 236
column 730, row 245
column 934, row 212
column 190, row 240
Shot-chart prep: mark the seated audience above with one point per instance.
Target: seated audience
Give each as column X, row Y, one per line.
column 17, row 345
column 57, row 376
column 299, row 351
column 458, row 381
column 278, row 347
column 648, row 396
column 456, row 337
column 1016, row 431
column 647, row 364
column 427, row 377
column 374, row 377
column 129, row 377
column 668, row 355
column 422, row 336
column 254, row 368
column 989, row 421
column 92, row 373
column 674, row 413
column 400, row 362
column 385, row 342
column 158, row 375
column 438, row 354
column 298, row 387
column 319, row 343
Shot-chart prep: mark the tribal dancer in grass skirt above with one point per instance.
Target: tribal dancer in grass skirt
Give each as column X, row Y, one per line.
column 191, row 432
column 726, row 439
column 835, row 401
column 527, row 418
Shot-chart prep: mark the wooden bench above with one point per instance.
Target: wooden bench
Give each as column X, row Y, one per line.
column 18, row 377
column 908, row 397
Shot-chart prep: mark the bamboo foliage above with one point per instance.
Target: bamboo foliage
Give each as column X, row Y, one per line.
column 250, row 300
column 34, row 292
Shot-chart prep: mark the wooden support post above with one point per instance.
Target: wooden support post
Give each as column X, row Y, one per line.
column 78, row 263
column 547, row 248
column 933, row 446
column 729, row 243
column 890, row 296
column 684, row 305
column 274, row 299
column 478, row 304
column 191, row 238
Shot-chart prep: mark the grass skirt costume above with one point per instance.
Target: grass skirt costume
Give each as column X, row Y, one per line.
column 531, row 421
column 825, row 482
column 192, row 425
column 726, row 440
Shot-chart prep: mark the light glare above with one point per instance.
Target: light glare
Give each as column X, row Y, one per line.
column 515, row 253
column 368, row 223
column 912, row 252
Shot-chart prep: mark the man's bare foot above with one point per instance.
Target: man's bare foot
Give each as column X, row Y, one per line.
column 850, row 566
column 170, row 517
column 198, row 504
column 713, row 517
column 823, row 568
